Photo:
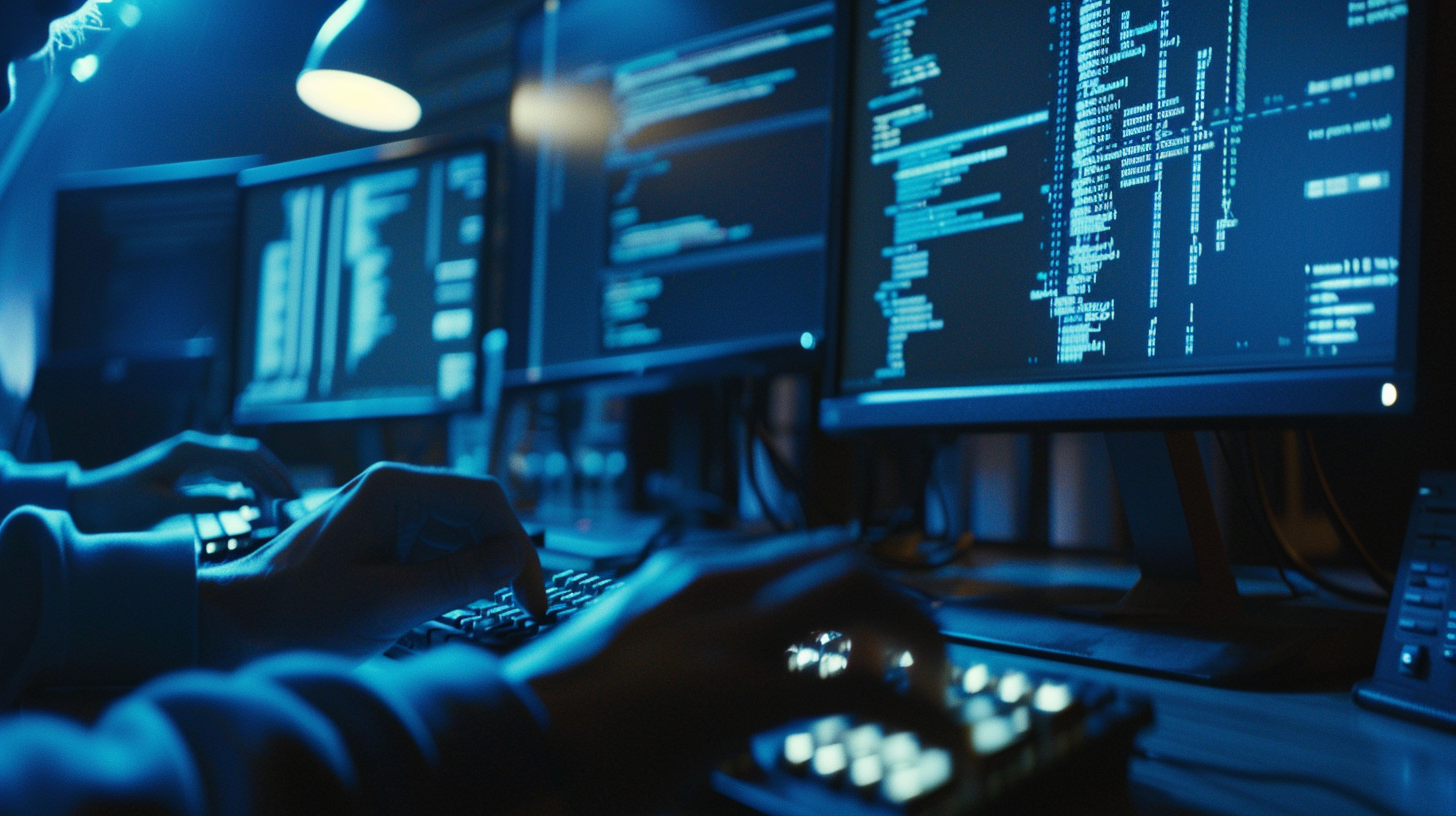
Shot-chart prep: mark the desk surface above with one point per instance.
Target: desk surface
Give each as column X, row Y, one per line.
column 1239, row 752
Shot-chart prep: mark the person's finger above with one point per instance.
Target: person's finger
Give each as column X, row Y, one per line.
column 481, row 507
column 529, row 585
column 236, row 456
column 432, row 587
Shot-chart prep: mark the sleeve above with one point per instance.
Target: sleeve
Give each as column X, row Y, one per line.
column 298, row 734
column 92, row 611
column 44, row 485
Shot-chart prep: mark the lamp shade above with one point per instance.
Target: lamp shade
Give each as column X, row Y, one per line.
column 358, row 68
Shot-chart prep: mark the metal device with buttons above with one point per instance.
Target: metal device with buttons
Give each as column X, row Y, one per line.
column 235, row 533
column 1416, row 675
column 1022, row 740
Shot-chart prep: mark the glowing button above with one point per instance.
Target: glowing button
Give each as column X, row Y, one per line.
column 807, row 341
column 85, row 67
column 1388, row 395
column 830, row 759
column 798, row 749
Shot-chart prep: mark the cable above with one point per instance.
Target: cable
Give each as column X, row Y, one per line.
column 787, row 474
column 1243, row 488
column 944, row 500
column 751, row 466
column 671, row 532
column 1300, row 565
column 1378, row 574
column 1353, row 794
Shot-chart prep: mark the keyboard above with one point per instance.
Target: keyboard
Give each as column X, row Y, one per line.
column 1026, row 741
column 232, row 534
column 235, row 533
column 497, row 624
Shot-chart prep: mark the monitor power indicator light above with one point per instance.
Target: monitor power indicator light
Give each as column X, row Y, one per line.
column 1389, row 395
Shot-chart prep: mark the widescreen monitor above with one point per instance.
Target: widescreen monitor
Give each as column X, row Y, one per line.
column 671, row 183
column 361, row 282
column 1129, row 210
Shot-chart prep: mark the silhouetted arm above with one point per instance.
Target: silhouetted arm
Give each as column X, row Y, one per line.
column 298, row 734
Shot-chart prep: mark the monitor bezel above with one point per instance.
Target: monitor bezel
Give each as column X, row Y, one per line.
column 780, row 352
column 1172, row 400
column 488, row 141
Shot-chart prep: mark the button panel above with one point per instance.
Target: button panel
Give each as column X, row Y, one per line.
column 1414, row 661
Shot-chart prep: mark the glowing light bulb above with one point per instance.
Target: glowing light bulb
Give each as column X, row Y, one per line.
column 358, row 100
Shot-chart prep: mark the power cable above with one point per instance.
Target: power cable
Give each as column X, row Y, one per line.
column 1377, row 573
column 1301, row 566
column 1243, row 488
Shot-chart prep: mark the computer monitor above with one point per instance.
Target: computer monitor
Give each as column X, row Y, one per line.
column 362, row 276
column 142, row 304
column 1112, row 211
column 671, row 183
column 1133, row 214
column 145, row 262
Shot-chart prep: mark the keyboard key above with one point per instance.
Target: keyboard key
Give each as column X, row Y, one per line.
column 233, row 524
column 1418, row 626
column 208, row 527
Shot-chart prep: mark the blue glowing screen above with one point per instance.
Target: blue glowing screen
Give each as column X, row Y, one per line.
column 360, row 290
column 1075, row 191
column 671, row 182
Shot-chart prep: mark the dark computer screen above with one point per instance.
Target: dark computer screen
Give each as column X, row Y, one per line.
column 142, row 309
column 145, row 263
column 1127, row 209
column 361, row 280
column 671, row 182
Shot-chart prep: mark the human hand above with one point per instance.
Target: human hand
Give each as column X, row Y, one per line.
column 141, row 490
column 688, row 659
column 397, row 546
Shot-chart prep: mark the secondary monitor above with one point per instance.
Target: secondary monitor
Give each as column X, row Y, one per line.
column 361, row 282
column 1130, row 210
column 145, row 262
column 671, row 186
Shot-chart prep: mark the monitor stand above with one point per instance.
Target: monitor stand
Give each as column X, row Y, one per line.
column 1184, row 618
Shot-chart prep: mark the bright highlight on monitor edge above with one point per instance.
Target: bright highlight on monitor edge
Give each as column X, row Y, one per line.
column 1389, row 395
column 358, row 100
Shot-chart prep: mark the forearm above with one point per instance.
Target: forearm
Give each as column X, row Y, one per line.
column 113, row 610
column 298, row 734
column 41, row 485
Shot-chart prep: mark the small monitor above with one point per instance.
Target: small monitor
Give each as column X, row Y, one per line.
column 145, row 263
column 361, row 281
column 142, row 309
column 1131, row 210
column 671, row 185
